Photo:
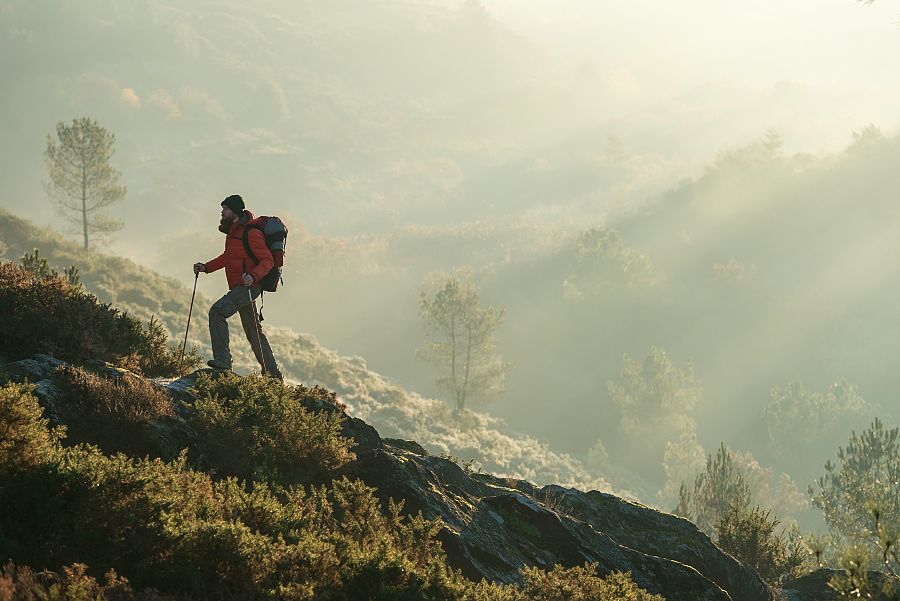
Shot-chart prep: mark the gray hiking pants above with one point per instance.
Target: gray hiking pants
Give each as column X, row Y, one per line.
column 238, row 301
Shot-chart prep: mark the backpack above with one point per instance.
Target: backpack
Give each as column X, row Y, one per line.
column 275, row 233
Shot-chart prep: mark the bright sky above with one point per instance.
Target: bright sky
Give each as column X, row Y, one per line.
column 814, row 70
column 700, row 40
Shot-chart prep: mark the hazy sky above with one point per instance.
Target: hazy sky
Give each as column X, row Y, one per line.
column 840, row 50
column 688, row 43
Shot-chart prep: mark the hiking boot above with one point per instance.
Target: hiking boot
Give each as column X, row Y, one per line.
column 274, row 375
column 215, row 364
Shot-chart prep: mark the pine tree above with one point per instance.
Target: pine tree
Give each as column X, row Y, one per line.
column 82, row 182
column 460, row 341
column 720, row 489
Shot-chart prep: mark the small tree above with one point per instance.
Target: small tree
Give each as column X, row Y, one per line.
column 654, row 393
column 460, row 340
column 796, row 418
column 862, row 492
column 604, row 263
column 40, row 268
column 82, row 182
column 719, row 489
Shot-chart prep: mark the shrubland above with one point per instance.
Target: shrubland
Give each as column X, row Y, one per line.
column 47, row 314
column 249, row 507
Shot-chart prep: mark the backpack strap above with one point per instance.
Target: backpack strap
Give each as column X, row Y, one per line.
column 246, row 240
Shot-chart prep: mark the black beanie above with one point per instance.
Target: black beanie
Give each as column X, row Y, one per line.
column 235, row 203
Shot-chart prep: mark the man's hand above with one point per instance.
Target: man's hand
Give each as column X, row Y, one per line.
column 198, row 267
column 248, row 280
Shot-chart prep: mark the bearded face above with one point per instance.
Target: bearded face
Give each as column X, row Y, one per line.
column 228, row 218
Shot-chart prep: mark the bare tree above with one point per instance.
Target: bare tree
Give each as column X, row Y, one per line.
column 82, row 182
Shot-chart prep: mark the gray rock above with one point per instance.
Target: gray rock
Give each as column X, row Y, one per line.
column 39, row 367
column 491, row 530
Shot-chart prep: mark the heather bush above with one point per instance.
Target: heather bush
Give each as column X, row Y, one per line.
column 46, row 314
column 21, row 583
column 163, row 525
column 581, row 584
column 166, row 526
column 258, row 428
column 117, row 414
column 154, row 356
column 750, row 535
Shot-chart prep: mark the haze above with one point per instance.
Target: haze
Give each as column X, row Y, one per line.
column 747, row 150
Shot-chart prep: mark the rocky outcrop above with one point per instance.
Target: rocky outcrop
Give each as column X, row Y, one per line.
column 494, row 527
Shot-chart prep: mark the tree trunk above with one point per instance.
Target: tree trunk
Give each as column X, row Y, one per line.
column 465, row 385
column 84, row 203
column 453, row 358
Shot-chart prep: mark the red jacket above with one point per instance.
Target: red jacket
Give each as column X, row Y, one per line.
column 235, row 259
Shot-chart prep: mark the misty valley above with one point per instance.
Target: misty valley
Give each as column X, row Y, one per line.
column 553, row 322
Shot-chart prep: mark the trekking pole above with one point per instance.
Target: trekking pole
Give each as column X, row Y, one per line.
column 262, row 356
column 184, row 344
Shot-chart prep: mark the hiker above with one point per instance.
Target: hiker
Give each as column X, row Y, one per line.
column 243, row 274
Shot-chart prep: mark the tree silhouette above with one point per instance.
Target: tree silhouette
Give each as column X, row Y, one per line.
column 82, row 182
column 460, row 340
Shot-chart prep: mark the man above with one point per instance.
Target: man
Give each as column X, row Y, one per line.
column 243, row 275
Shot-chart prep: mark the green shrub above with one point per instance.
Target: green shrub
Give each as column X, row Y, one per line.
column 154, row 356
column 116, row 414
column 130, row 398
column 47, row 314
column 750, row 536
column 50, row 316
column 258, row 428
column 21, row 583
column 26, row 441
column 166, row 526
column 581, row 584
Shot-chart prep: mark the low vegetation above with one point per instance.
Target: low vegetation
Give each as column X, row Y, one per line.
column 166, row 526
column 118, row 414
column 45, row 313
column 257, row 428
column 248, row 509
column 719, row 503
column 751, row 535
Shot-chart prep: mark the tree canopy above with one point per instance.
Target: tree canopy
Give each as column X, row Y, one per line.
column 82, row 182
column 460, row 340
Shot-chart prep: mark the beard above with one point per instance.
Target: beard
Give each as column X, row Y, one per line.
column 225, row 225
